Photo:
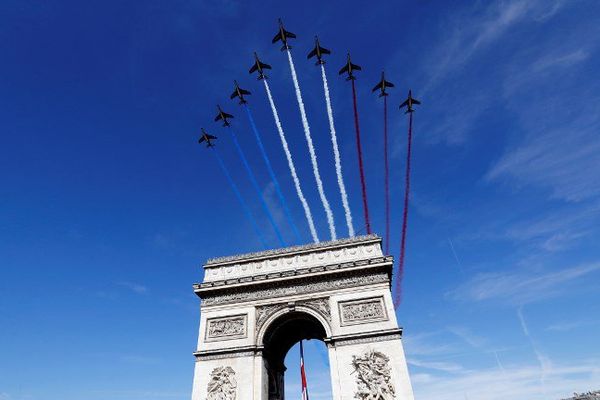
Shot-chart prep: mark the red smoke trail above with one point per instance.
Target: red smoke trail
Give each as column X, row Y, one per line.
column 386, row 177
column 360, row 161
column 398, row 297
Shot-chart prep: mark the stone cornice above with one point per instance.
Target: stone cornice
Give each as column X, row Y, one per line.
column 304, row 273
column 277, row 253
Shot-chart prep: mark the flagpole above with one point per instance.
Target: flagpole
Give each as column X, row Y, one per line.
column 303, row 374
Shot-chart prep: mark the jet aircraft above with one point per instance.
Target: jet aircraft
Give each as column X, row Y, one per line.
column 223, row 116
column 382, row 85
column 318, row 51
column 239, row 92
column 349, row 68
column 409, row 102
column 283, row 35
column 207, row 138
column 260, row 67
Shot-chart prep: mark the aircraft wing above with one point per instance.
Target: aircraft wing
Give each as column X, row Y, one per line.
column 416, row 101
column 265, row 66
column 324, row 50
column 277, row 37
column 253, row 68
column 233, row 95
column 202, row 139
column 344, row 69
column 389, row 84
column 312, row 53
column 211, row 137
column 244, row 91
column 218, row 117
column 227, row 115
column 404, row 104
column 289, row 35
column 356, row 67
column 378, row 86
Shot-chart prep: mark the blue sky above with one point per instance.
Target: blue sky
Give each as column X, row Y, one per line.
column 108, row 206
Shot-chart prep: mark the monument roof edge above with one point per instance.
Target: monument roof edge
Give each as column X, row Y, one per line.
column 218, row 261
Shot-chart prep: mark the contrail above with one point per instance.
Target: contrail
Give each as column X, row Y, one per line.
column 286, row 150
column 386, row 177
column 398, row 297
column 240, row 198
column 272, row 174
column 256, row 186
column 361, row 169
column 311, row 149
column 336, row 153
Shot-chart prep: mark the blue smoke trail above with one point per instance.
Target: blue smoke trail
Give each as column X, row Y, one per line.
column 256, row 187
column 272, row 174
column 240, row 198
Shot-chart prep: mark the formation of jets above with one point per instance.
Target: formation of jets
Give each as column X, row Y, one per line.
column 318, row 51
column 239, row 93
column 205, row 137
column 350, row 68
column 382, row 85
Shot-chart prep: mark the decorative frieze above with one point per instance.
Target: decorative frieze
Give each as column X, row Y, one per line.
column 373, row 376
column 291, row 289
column 224, row 328
column 362, row 311
column 320, row 305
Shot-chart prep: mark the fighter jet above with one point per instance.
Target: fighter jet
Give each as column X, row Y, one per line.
column 259, row 66
column 223, row 116
column 318, row 51
column 408, row 103
column 283, row 35
column 349, row 68
column 207, row 138
column 239, row 92
column 383, row 84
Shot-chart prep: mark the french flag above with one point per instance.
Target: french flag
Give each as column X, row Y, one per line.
column 303, row 373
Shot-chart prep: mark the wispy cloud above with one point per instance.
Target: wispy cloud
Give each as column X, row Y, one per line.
column 467, row 336
column 436, row 365
column 518, row 382
column 520, row 287
column 134, row 287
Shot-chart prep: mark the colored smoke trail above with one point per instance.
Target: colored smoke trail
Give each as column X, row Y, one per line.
column 398, row 297
column 311, row 149
column 386, row 177
column 240, row 198
column 288, row 155
column 363, row 184
column 336, row 153
column 272, row 174
column 256, row 187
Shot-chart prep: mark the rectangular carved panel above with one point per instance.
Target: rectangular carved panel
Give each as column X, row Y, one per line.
column 225, row 328
column 362, row 311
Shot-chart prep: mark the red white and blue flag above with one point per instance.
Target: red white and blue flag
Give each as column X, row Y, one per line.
column 303, row 374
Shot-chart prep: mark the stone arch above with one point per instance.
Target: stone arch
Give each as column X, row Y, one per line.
column 276, row 315
column 285, row 328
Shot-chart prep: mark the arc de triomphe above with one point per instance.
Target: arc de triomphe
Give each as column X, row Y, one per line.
column 255, row 307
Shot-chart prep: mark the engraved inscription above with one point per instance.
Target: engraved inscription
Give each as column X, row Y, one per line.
column 226, row 328
column 362, row 311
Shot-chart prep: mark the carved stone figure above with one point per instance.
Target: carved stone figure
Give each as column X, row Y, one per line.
column 373, row 376
column 363, row 310
column 222, row 384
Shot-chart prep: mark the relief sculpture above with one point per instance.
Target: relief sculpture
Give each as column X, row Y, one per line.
column 364, row 310
column 229, row 326
column 222, row 384
column 373, row 376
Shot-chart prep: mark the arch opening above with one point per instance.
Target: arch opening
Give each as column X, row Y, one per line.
column 281, row 335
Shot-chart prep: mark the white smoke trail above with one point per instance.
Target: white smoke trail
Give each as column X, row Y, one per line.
column 336, row 153
column 288, row 155
column 311, row 149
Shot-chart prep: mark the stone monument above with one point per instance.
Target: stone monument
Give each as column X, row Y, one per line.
column 255, row 307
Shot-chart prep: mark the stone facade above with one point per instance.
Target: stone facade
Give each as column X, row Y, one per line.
column 253, row 306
